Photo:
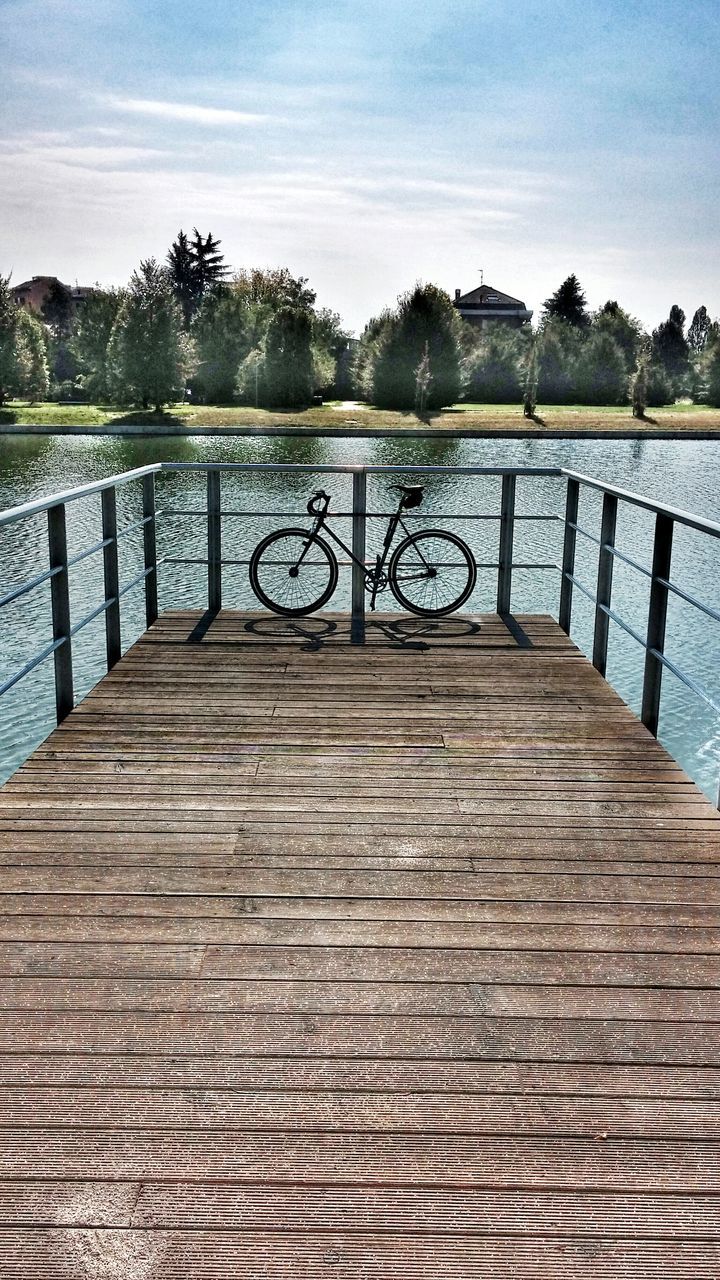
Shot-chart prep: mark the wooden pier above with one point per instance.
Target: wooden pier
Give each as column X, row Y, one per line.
column 381, row 962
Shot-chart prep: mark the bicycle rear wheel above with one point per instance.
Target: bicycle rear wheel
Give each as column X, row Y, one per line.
column 292, row 573
column 432, row 573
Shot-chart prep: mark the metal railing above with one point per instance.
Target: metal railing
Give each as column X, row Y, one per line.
column 213, row 514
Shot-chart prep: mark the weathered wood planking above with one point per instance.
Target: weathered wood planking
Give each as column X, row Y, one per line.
column 389, row 961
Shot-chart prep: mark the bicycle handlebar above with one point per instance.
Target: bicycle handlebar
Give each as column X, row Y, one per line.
column 319, row 496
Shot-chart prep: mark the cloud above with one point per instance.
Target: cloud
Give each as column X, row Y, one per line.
column 188, row 113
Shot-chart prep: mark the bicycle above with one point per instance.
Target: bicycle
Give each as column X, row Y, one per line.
column 294, row 572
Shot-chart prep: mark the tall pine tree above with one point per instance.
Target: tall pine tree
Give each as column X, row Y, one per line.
column 568, row 304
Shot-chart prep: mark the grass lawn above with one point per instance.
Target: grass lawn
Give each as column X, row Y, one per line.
column 350, row 417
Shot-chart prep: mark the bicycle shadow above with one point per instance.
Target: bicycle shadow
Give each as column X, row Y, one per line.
column 312, row 631
column 416, row 633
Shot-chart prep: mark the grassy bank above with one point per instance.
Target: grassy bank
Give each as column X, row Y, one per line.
column 351, row 417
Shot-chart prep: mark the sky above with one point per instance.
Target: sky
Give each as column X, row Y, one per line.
column 370, row 144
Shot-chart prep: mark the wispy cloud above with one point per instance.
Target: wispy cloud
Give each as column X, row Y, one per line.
column 187, row 112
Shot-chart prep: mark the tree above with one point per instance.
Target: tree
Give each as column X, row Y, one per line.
column 600, row 372
column 659, row 387
column 210, row 268
column 670, row 347
column 58, row 313
column 423, row 379
column 558, row 345
column 57, row 310
column 8, row 350
column 699, row 331
column 183, row 275
column 148, row 351
column 89, row 343
column 639, row 389
column 493, row 366
column 31, row 343
column 274, row 287
column 288, row 374
column 623, row 328
column 365, row 354
column 423, row 315
column 225, row 329
column 567, row 304
column 713, row 375
column 531, row 383
column 195, row 268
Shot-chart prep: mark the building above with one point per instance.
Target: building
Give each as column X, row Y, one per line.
column 34, row 293
column 486, row 306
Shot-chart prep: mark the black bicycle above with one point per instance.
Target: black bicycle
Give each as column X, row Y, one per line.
column 432, row 572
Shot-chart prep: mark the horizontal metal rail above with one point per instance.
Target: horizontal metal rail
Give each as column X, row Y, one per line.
column 39, row 505
column 348, row 515
column 711, row 527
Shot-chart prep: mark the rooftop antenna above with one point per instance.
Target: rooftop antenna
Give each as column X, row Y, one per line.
column 482, row 276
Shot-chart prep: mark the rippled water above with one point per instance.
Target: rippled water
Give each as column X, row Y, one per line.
column 683, row 473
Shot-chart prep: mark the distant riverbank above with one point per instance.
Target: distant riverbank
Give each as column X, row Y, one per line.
column 350, row 418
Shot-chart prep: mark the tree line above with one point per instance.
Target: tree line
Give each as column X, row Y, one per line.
column 184, row 327
column 188, row 326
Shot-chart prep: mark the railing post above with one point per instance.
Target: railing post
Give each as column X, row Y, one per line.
column 113, row 645
column 60, row 600
column 505, row 557
column 214, row 542
column 568, row 559
column 606, row 563
column 150, row 550
column 359, row 506
column 657, row 619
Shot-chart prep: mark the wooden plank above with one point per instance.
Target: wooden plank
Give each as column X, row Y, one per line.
column 375, row 1256
column 366, row 964
column 153, row 1070
column 371, row 1159
column 362, row 1035
column 223, row 1111
column 395, row 960
column 447, row 1212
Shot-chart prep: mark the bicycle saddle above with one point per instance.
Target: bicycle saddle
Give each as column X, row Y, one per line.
column 412, row 494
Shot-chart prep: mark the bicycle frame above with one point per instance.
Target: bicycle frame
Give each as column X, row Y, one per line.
column 374, row 574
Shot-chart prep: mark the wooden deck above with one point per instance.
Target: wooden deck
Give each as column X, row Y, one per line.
column 374, row 963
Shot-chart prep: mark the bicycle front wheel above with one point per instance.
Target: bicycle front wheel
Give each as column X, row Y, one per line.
column 292, row 573
column 432, row 573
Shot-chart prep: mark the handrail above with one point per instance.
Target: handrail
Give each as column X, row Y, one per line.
column 71, row 495
column 213, row 516
column 699, row 523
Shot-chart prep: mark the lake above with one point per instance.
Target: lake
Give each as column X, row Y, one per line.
column 685, row 474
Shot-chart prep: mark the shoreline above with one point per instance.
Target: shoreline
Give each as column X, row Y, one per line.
column 160, row 430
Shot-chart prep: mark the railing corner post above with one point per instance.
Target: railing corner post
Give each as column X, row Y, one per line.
column 60, row 602
column 572, row 502
column 111, row 577
column 359, row 507
column 214, row 542
column 657, row 620
column 150, row 550
column 507, row 534
column 603, row 597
